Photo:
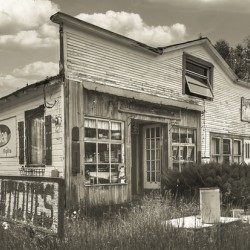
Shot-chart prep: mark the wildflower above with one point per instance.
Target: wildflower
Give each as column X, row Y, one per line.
column 5, row 225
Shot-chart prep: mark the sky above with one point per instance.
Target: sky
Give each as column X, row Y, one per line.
column 29, row 45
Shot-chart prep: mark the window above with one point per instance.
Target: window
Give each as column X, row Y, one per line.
column 226, row 148
column 104, row 151
column 183, row 147
column 35, row 150
column 215, row 149
column 198, row 76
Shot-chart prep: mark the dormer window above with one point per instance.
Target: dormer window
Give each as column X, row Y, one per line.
column 197, row 77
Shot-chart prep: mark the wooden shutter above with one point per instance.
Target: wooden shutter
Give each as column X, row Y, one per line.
column 21, row 142
column 75, row 151
column 48, row 140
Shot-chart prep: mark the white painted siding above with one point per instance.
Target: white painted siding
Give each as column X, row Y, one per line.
column 16, row 107
column 91, row 58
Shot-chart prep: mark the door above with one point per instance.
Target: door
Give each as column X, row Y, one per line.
column 247, row 151
column 152, row 156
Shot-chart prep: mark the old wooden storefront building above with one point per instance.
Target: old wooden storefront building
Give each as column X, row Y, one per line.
column 121, row 113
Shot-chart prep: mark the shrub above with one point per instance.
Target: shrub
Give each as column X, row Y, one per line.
column 232, row 180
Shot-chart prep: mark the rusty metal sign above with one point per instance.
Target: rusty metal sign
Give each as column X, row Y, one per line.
column 34, row 201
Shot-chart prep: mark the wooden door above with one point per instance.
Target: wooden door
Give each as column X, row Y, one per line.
column 152, row 141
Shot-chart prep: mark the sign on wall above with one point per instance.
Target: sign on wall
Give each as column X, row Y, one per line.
column 245, row 109
column 34, row 201
column 8, row 137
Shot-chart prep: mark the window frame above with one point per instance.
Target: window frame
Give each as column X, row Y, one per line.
column 97, row 140
column 186, row 144
column 187, row 73
column 232, row 155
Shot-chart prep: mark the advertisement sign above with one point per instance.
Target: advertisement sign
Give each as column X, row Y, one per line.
column 8, row 138
column 33, row 201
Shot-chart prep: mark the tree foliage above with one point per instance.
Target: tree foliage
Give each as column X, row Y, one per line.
column 238, row 57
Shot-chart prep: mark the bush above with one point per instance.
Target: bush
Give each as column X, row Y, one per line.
column 232, row 180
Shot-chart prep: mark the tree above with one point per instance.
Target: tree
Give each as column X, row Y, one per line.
column 238, row 58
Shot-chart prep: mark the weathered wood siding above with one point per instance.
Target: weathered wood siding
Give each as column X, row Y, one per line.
column 15, row 106
column 94, row 59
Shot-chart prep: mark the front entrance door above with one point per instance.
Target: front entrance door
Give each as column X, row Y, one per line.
column 152, row 156
column 247, row 151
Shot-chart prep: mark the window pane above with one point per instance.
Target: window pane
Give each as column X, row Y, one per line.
column 114, row 173
column 175, row 135
column 103, row 153
column 237, row 147
column 90, row 128
column 103, row 129
column 183, row 135
column 37, row 141
column 90, row 174
column 175, row 153
column 103, row 174
column 90, row 152
column 191, row 137
column 190, row 153
column 152, row 132
column 116, row 131
column 116, row 153
column 157, row 132
column 147, row 132
column 215, row 146
column 226, row 146
column 196, row 68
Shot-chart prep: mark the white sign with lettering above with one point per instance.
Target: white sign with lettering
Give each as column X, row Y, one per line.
column 8, row 142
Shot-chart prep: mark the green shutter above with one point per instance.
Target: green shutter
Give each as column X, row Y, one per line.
column 48, row 140
column 21, row 142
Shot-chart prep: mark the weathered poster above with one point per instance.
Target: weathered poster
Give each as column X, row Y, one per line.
column 8, row 143
column 34, row 201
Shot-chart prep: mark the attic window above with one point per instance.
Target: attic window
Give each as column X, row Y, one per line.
column 198, row 77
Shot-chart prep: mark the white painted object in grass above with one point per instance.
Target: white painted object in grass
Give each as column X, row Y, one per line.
column 210, row 205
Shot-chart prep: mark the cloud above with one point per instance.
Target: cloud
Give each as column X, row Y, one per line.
column 25, row 14
column 37, row 69
column 131, row 25
column 242, row 6
column 26, row 24
column 29, row 74
column 45, row 37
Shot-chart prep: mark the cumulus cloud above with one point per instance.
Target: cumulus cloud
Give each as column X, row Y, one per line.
column 26, row 24
column 29, row 74
column 25, row 14
column 132, row 26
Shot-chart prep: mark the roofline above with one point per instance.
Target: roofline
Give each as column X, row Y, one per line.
column 205, row 41
column 36, row 84
column 62, row 18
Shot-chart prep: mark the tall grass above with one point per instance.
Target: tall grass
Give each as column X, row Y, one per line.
column 137, row 226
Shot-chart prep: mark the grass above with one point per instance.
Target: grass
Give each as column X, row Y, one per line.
column 136, row 226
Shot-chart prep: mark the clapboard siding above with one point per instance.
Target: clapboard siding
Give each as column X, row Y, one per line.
column 17, row 107
column 94, row 59
column 223, row 114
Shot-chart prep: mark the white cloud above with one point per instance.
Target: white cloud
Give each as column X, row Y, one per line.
column 44, row 37
column 26, row 24
column 29, row 74
column 132, row 26
column 37, row 69
column 25, row 14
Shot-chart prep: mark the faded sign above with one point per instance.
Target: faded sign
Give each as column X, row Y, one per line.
column 245, row 109
column 34, row 201
column 8, row 137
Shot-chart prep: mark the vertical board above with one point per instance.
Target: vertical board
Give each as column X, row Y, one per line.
column 21, row 142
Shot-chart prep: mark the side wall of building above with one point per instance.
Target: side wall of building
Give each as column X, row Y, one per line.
column 14, row 107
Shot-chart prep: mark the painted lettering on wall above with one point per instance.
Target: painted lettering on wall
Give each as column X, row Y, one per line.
column 34, row 203
column 8, row 143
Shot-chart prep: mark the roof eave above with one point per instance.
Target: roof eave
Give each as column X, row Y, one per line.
column 62, row 18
